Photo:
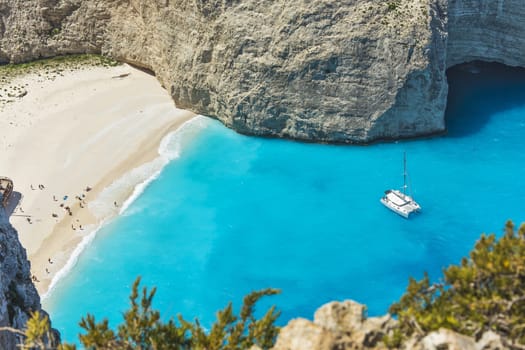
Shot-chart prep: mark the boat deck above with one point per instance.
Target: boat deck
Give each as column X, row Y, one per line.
column 400, row 203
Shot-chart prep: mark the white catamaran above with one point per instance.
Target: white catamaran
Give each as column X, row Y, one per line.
column 401, row 202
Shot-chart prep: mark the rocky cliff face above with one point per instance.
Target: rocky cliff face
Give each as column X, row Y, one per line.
column 44, row 28
column 18, row 295
column 346, row 71
column 344, row 326
column 318, row 70
column 488, row 30
column 349, row 71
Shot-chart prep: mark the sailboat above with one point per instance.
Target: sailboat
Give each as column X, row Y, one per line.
column 401, row 202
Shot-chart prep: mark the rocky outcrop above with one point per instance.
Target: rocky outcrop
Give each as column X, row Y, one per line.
column 344, row 326
column 351, row 71
column 488, row 30
column 336, row 325
column 18, row 295
column 44, row 28
column 319, row 70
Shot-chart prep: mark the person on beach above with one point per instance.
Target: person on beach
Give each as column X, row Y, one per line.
column 32, row 187
column 49, row 260
column 54, row 198
column 47, row 271
column 115, row 204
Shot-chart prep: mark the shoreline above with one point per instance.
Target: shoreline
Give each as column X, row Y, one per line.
column 136, row 191
column 69, row 139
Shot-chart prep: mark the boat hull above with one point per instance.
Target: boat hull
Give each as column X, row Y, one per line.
column 400, row 203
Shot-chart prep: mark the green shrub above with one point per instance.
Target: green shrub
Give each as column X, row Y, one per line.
column 143, row 328
column 484, row 292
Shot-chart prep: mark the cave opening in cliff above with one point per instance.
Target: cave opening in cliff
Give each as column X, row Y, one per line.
column 479, row 91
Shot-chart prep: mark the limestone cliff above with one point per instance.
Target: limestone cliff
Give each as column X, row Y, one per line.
column 488, row 30
column 18, row 295
column 319, row 70
column 346, row 71
column 44, row 28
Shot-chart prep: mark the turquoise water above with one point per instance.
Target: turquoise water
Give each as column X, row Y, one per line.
column 233, row 214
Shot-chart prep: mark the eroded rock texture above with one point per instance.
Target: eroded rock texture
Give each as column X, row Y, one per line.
column 44, row 28
column 344, row 326
column 314, row 70
column 345, row 71
column 318, row 70
column 487, row 30
column 18, row 295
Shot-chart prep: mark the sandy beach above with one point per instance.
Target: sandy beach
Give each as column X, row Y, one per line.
column 69, row 139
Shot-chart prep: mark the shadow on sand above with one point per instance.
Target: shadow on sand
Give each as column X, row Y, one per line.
column 12, row 204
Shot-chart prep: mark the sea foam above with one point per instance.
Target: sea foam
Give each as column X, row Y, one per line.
column 138, row 178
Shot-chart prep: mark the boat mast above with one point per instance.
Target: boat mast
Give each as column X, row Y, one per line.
column 404, row 173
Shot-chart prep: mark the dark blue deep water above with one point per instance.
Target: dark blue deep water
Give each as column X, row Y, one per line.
column 234, row 213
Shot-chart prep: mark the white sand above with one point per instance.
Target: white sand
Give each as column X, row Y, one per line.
column 87, row 128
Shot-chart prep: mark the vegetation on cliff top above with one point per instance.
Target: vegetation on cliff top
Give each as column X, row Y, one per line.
column 48, row 69
column 54, row 66
column 485, row 292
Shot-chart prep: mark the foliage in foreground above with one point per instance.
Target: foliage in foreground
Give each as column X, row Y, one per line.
column 485, row 292
column 143, row 328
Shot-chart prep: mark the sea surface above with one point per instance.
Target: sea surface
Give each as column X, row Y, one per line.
column 231, row 214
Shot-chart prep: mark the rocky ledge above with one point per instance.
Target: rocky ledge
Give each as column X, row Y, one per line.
column 320, row 70
column 344, row 326
column 18, row 295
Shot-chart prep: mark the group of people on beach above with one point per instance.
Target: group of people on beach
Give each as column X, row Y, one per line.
column 81, row 201
column 35, row 279
column 28, row 218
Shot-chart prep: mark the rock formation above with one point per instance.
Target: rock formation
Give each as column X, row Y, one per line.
column 344, row 326
column 318, row 70
column 487, row 30
column 18, row 295
column 351, row 71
